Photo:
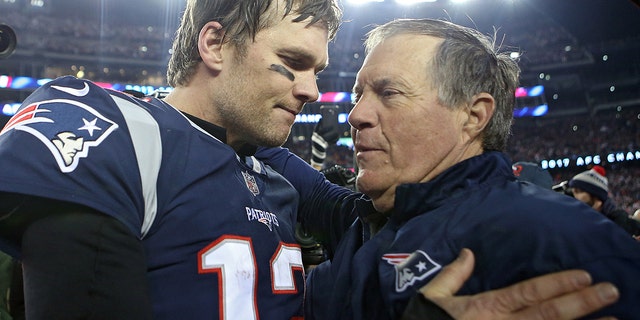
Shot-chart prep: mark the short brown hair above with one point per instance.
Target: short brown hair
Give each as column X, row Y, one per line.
column 241, row 20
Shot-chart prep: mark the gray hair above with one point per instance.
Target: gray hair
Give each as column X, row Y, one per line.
column 241, row 21
column 466, row 63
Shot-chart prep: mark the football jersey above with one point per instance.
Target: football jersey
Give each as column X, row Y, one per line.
column 218, row 228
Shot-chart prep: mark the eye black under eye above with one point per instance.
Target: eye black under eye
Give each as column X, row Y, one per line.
column 283, row 71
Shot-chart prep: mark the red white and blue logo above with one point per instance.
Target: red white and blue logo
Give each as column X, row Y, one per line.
column 251, row 183
column 411, row 268
column 68, row 128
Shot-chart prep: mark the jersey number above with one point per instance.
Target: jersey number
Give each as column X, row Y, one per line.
column 233, row 259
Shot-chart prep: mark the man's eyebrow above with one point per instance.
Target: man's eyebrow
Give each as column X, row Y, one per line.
column 375, row 84
column 382, row 82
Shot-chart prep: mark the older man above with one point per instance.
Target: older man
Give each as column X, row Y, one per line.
column 433, row 114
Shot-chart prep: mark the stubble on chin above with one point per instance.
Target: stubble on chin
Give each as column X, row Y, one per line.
column 271, row 136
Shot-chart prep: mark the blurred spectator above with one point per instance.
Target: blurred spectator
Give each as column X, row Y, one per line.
column 578, row 135
column 591, row 187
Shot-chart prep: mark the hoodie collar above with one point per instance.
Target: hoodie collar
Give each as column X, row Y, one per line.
column 416, row 198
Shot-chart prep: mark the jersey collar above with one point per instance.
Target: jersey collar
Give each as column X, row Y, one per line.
column 221, row 134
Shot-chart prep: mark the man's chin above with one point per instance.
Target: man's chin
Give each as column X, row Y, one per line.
column 273, row 141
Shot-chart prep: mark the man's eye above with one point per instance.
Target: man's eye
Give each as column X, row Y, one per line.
column 388, row 93
column 295, row 64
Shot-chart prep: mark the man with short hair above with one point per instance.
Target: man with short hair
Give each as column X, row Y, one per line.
column 125, row 208
column 433, row 112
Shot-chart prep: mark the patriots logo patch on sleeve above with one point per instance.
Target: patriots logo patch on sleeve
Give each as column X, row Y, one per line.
column 68, row 128
column 411, row 268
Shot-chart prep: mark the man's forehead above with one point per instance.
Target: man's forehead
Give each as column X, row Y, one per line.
column 298, row 40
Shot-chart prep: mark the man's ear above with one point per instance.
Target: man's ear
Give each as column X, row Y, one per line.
column 210, row 45
column 480, row 112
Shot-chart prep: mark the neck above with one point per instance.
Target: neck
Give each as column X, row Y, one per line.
column 194, row 101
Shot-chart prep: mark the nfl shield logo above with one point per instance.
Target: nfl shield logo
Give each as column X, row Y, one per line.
column 250, row 181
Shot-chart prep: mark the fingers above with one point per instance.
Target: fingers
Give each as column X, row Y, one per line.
column 451, row 278
column 538, row 289
column 573, row 305
column 560, row 295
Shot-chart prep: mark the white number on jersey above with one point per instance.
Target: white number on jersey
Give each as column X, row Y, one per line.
column 232, row 258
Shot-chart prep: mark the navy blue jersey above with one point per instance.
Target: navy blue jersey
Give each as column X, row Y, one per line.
column 326, row 210
column 218, row 228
